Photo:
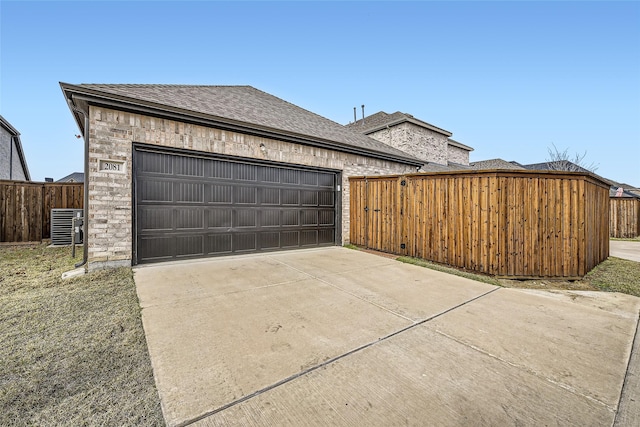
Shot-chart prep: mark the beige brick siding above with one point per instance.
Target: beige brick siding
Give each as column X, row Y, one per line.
column 457, row 155
column 422, row 143
column 112, row 132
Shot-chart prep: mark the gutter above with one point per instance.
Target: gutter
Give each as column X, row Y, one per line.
column 85, row 203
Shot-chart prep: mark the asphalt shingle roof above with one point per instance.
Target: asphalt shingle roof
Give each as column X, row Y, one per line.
column 246, row 105
column 381, row 119
column 494, row 164
column 73, row 177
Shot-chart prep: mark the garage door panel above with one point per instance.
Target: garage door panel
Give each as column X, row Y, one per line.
column 189, row 218
column 309, row 217
column 271, row 175
column 290, row 239
column 220, row 169
column 156, row 163
column 220, row 193
column 219, row 217
column 189, row 246
column 309, row 198
column 290, row 197
column 219, row 244
column 189, row 192
column 270, row 196
column 309, row 178
column 326, row 217
column 193, row 206
column 270, row 240
column 245, row 218
column 290, row 217
column 326, row 199
column 309, row 238
column 155, row 218
column 243, row 242
column 289, row 176
column 270, row 218
column 326, row 180
column 188, row 166
column 156, row 191
column 326, row 236
column 156, row 248
column 245, row 195
column 244, row 172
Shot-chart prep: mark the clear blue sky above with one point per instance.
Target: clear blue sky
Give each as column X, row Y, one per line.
column 507, row 78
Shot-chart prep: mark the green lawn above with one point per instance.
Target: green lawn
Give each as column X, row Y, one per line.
column 72, row 352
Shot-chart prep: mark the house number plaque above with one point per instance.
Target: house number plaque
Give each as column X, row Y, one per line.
column 115, row 166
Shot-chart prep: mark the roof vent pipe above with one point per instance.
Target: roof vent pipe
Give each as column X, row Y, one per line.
column 362, row 114
column 354, row 115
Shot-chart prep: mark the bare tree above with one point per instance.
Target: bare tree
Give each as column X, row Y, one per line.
column 562, row 161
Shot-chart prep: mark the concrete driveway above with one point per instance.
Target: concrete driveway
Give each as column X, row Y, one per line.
column 625, row 249
column 341, row 337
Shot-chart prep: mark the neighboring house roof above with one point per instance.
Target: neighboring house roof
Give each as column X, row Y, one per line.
column 239, row 108
column 436, row 167
column 382, row 120
column 613, row 192
column 73, row 177
column 568, row 165
column 459, row 144
column 494, row 164
column 16, row 140
column 565, row 165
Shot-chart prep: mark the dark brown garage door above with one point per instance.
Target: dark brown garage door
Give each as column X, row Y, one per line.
column 189, row 206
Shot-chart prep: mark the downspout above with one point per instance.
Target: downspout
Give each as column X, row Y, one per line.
column 85, row 203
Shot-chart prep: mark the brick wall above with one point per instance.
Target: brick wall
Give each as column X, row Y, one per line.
column 422, row 143
column 457, row 155
column 111, row 134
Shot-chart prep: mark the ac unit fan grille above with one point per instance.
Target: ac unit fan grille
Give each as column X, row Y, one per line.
column 62, row 226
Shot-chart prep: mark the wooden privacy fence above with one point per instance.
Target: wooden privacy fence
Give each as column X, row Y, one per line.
column 25, row 207
column 520, row 224
column 624, row 217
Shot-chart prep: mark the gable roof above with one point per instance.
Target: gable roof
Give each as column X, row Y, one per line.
column 495, row 164
column 73, row 177
column 240, row 108
column 16, row 140
column 381, row 120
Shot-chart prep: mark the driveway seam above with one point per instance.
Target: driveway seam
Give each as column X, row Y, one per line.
column 327, row 362
column 524, row 368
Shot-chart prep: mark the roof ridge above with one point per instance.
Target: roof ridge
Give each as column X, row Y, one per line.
column 159, row 85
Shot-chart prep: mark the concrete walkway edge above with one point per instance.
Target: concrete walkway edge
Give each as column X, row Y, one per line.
column 628, row 413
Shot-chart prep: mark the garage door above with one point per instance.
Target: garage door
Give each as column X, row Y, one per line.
column 189, row 206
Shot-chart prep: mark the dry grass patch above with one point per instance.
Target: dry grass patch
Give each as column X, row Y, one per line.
column 450, row 270
column 616, row 275
column 72, row 352
column 612, row 275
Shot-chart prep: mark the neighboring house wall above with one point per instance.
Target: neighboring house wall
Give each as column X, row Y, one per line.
column 6, row 141
column 10, row 164
column 422, row 143
column 112, row 132
column 457, row 155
